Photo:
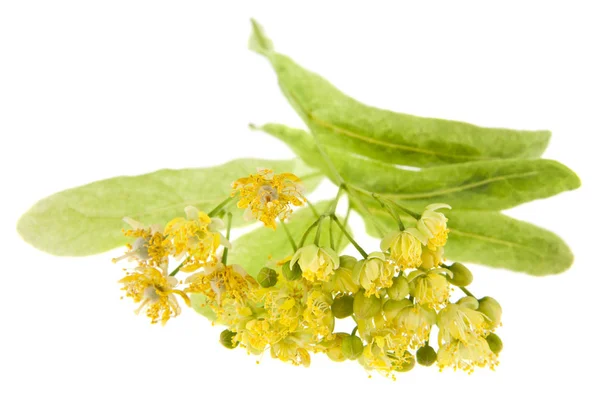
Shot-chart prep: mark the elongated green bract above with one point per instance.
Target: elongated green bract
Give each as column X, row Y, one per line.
column 343, row 122
column 488, row 185
column 492, row 239
column 88, row 219
column 264, row 246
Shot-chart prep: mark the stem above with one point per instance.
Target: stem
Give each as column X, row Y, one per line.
column 467, row 292
column 391, row 211
column 331, row 241
column 353, row 191
column 220, row 206
column 226, row 250
column 313, row 225
column 339, row 241
column 312, row 208
column 354, row 330
column 176, row 270
column 289, row 235
column 352, row 241
column 409, row 212
column 318, row 233
column 337, row 198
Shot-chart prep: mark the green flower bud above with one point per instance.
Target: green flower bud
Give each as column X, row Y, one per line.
column 494, row 342
column 492, row 310
column 352, row 347
column 348, row 262
column 469, row 302
column 226, row 339
column 392, row 308
column 291, row 273
column 366, row 307
column 342, row 306
column 426, row 356
column 461, row 275
column 267, row 277
column 399, row 288
column 409, row 363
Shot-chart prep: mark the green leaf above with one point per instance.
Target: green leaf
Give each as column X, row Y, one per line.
column 493, row 239
column 392, row 137
column 487, row 185
column 265, row 246
column 88, row 219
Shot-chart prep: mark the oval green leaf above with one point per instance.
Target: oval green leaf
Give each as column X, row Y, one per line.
column 487, row 185
column 88, row 219
column 397, row 138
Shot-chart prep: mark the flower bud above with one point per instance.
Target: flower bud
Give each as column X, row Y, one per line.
column 267, row 277
column 469, row 302
column 426, row 355
column 399, row 288
column 494, row 342
column 342, row 306
column 291, row 273
column 392, row 308
column 408, row 364
column 226, row 339
column 366, row 307
column 492, row 310
column 461, row 275
column 352, row 347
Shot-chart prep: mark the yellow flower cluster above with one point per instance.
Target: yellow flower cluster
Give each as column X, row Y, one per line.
column 192, row 242
column 395, row 296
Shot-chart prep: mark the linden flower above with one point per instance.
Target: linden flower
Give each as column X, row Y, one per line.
column 260, row 333
column 430, row 288
column 155, row 292
column 196, row 236
column 457, row 321
column 405, row 247
column 291, row 349
column 267, row 196
column 385, row 352
column 466, row 354
column 416, row 322
column 283, row 304
column 317, row 263
column 149, row 247
column 375, row 272
column 222, row 281
column 317, row 314
column 433, row 225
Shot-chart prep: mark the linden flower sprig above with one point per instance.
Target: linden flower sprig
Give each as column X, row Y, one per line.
column 394, row 297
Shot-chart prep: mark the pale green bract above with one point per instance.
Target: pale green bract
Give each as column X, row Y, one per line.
column 343, row 122
column 88, row 219
column 487, row 185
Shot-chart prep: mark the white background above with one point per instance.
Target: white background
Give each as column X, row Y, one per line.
column 94, row 89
